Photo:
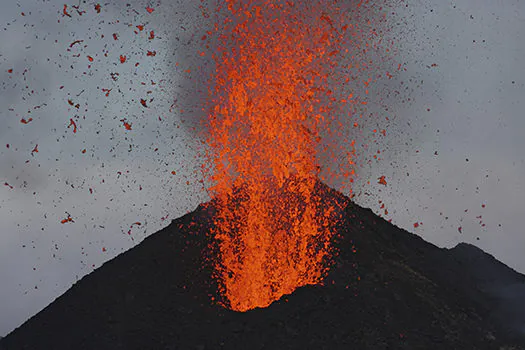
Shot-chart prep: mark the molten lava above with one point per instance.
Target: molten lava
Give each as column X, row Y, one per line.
column 271, row 103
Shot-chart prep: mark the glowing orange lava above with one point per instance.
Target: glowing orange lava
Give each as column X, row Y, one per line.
column 271, row 103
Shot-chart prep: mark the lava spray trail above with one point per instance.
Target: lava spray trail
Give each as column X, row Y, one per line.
column 272, row 107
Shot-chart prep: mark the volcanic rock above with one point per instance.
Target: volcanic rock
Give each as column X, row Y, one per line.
column 387, row 289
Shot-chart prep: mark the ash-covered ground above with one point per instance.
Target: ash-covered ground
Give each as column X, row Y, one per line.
column 388, row 289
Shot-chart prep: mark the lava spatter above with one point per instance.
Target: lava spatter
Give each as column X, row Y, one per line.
column 272, row 102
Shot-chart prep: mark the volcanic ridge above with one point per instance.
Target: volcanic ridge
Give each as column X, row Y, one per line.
column 387, row 289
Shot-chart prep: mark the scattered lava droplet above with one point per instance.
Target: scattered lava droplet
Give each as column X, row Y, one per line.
column 24, row 121
column 416, row 224
column 460, row 229
column 64, row 11
column 68, row 219
column 382, row 180
column 75, row 42
column 126, row 124
column 149, row 9
column 72, row 124
column 122, row 58
column 97, row 8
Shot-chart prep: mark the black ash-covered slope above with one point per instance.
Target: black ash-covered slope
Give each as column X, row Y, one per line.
column 388, row 289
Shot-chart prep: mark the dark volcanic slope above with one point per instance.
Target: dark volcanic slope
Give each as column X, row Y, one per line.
column 389, row 289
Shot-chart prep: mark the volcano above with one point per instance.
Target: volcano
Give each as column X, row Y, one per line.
column 386, row 289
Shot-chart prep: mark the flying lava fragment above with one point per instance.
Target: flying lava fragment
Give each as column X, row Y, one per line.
column 127, row 125
column 72, row 124
column 66, row 220
column 64, row 11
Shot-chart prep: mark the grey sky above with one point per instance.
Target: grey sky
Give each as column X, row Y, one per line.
column 474, row 97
